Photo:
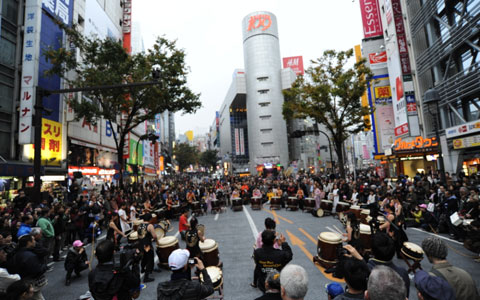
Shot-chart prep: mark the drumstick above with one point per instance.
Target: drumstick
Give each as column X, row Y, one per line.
column 331, row 230
column 335, row 230
column 338, row 230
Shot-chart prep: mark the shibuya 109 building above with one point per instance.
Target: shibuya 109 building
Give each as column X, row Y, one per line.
column 252, row 130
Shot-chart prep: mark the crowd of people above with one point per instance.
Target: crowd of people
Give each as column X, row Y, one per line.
column 33, row 230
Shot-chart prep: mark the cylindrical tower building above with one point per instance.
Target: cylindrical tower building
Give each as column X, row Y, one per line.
column 267, row 130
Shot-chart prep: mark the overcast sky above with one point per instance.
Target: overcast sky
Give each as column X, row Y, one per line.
column 210, row 31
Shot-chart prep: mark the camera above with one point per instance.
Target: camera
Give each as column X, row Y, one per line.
column 192, row 261
column 342, row 252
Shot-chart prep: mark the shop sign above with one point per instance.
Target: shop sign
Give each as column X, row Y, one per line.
column 51, row 145
column 467, row 142
column 295, row 63
column 383, row 92
column 411, row 158
column 418, row 143
column 464, row 129
column 378, row 60
column 91, row 171
column 372, row 25
column 136, row 153
column 263, row 21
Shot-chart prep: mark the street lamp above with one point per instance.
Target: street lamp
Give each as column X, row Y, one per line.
column 432, row 97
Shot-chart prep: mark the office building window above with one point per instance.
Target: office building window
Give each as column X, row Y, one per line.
column 264, row 104
column 265, row 117
column 266, row 130
column 264, row 91
column 263, row 78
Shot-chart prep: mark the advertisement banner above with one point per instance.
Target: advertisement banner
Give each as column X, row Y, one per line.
column 378, row 60
column 31, row 52
column 127, row 25
column 237, row 142
column 51, row 144
column 467, row 142
column 372, row 23
column 295, row 63
column 364, row 98
column 155, row 156
column 136, row 153
column 242, row 142
column 148, row 155
column 385, row 122
column 398, row 98
column 467, row 128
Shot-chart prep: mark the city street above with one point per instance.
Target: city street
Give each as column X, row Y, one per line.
column 235, row 233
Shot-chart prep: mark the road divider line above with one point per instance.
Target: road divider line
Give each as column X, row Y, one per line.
column 301, row 244
column 251, row 223
column 216, row 216
column 437, row 235
column 276, row 216
column 314, row 241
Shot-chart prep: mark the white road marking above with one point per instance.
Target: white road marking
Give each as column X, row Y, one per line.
column 251, row 223
column 216, row 216
column 50, row 264
column 437, row 235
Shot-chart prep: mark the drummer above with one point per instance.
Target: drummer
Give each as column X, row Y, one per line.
column 352, row 236
column 256, row 193
column 146, row 233
column 300, row 195
column 235, row 194
column 319, row 195
column 193, row 237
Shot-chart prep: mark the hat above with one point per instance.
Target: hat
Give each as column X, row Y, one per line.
column 178, row 259
column 434, row 247
column 334, row 289
column 433, row 286
column 137, row 222
column 77, row 243
column 422, row 206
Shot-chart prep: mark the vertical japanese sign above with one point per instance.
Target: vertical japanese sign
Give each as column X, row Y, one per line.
column 237, row 142
column 31, row 52
column 62, row 9
column 366, row 119
column 372, row 24
column 242, row 142
column 51, row 142
column 127, row 25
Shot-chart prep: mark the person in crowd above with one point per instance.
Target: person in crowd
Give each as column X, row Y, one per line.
column 19, row 290
column 268, row 258
column 385, row 283
column 180, row 285
column 107, row 281
column 293, row 282
column 193, row 237
column 114, row 233
column 122, row 215
column 147, row 234
column 432, row 287
column 356, row 274
column 5, row 277
column 76, row 260
column 333, row 290
column 48, row 231
column 272, row 287
column 383, row 250
column 183, row 224
column 25, row 226
column 436, row 251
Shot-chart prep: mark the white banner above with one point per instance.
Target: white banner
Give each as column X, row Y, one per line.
column 31, row 52
column 242, row 142
column 398, row 95
column 148, row 156
column 237, row 142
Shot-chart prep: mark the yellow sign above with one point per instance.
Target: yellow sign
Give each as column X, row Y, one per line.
column 366, row 119
column 471, row 141
column 418, row 143
column 51, row 144
column 189, row 135
column 383, row 92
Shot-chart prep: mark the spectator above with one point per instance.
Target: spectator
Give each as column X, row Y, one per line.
column 463, row 284
column 334, row 290
column 25, row 226
column 20, row 290
column 48, row 232
column 5, row 278
column 180, row 285
column 432, row 287
column 293, row 282
column 383, row 250
column 272, row 287
column 268, row 259
column 385, row 284
column 76, row 261
column 356, row 277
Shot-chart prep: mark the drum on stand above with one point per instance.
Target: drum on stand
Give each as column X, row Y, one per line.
column 327, row 249
column 197, row 208
column 159, row 232
column 237, row 204
column 308, row 204
column 209, row 249
column 414, row 252
column 343, row 206
column 364, row 214
column 215, row 205
column 366, row 237
column 256, row 203
column 326, row 206
column 176, row 211
column 276, row 203
column 292, row 203
column 165, row 247
column 216, row 276
column 356, row 210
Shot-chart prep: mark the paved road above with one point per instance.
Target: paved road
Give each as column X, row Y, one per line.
column 235, row 232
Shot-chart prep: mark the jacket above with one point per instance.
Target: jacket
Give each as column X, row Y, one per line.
column 185, row 289
column 459, row 280
column 348, row 296
column 268, row 259
column 23, row 230
column 47, row 227
column 105, row 282
column 28, row 264
column 74, row 259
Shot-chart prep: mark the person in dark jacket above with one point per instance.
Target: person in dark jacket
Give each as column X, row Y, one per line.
column 107, row 281
column 180, row 285
column 356, row 276
column 76, row 261
column 268, row 259
column 29, row 266
column 272, row 287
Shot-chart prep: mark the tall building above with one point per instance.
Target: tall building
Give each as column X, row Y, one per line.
column 267, row 130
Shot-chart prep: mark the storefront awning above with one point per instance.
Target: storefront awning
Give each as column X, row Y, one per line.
column 17, row 169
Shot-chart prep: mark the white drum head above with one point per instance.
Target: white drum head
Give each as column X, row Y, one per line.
column 208, row 244
column 167, row 241
column 330, row 237
column 365, row 229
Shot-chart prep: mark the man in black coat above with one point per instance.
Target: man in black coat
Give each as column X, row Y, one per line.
column 76, row 260
column 269, row 259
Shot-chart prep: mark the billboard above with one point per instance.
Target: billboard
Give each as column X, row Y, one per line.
column 51, row 147
column 295, row 63
column 378, row 60
column 127, row 25
column 398, row 97
column 148, row 154
column 372, row 23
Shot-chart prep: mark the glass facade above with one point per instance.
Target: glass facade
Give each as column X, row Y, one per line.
column 238, row 128
column 8, row 44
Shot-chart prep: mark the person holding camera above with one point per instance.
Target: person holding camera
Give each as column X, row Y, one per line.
column 107, row 281
column 180, row 285
column 268, row 258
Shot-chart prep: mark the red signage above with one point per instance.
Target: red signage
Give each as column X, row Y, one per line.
column 401, row 130
column 401, row 37
column 127, row 25
column 399, row 88
column 263, row 21
column 377, row 58
column 91, row 171
column 295, row 63
column 372, row 24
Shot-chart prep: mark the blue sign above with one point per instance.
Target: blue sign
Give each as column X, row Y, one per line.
column 60, row 9
column 18, row 170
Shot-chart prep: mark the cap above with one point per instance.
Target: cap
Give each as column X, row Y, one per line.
column 77, row 243
column 178, row 259
column 334, row 289
column 433, row 286
column 422, row 206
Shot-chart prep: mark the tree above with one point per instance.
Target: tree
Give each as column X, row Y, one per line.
column 185, row 155
column 105, row 62
column 209, row 158
column 329, row 93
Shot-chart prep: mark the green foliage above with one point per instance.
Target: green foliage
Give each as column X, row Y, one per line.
column 329, row 93
column 185, row 155
column 209, row 158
